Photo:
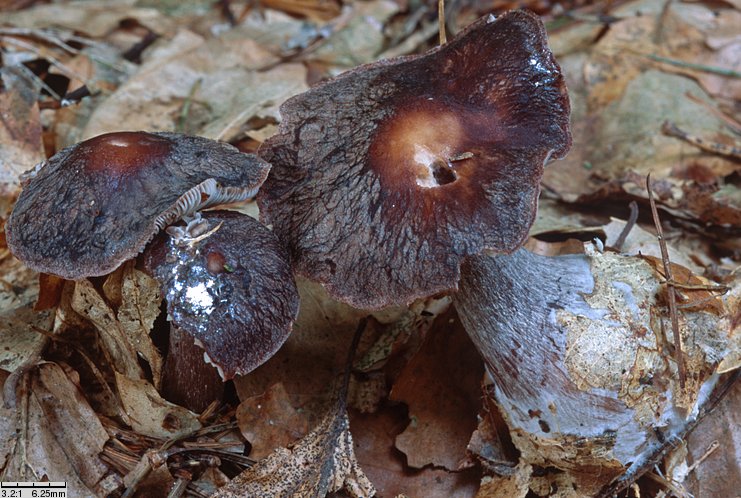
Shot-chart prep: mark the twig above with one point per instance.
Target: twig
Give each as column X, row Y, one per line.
column 185, row 111
column 713, row 446
column 722, row 289
column 178, row 488
column 671, row 291
column 350, row 356
column 676, row 491
column 628, row 226
column 730, row 122
column 672, row 130
column 441, row 21
column 697, row 67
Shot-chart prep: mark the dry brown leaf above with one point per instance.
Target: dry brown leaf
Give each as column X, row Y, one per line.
column 717, row 472
column 151, row 415
column 88, row 303
column 59, row 436
column 20, row 132
column 374, row 436
column 694, row 292
column 440, row 384
column 319, row 341
column 322, row 462
column 269, row 421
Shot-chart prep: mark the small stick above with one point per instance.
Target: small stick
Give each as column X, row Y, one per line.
column 671, row 291
column 672, row 130
column 730, row 122
column 713, row 446
column 185, row 111
column 710, row 288
column 628, row 225
column 441, row 21
column 722, row 71
column 344, row 387
column 178, row 487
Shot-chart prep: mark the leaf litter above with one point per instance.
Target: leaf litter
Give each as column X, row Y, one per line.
column 98, row 348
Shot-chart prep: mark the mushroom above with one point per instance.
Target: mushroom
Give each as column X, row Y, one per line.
column 96, row 204
column 385, row 178
column 579, row 361
column 229, row 285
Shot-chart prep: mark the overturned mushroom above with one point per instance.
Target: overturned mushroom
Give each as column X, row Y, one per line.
column 385, row 178
column 580, row 365
column 229, row 285
column 96, row 204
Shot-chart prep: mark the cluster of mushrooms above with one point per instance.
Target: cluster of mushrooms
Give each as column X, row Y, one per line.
column 379, row 184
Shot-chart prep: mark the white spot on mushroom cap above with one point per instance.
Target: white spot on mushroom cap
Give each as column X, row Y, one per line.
column 118, row 142
column 199, row 298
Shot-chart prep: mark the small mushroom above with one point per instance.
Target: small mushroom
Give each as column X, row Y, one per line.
column 96, row 204
column 228, row 283
column 385, row 178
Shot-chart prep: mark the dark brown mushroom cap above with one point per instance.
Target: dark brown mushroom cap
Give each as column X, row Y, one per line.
column 96, row 204
column 233, row 290
column 386, row 177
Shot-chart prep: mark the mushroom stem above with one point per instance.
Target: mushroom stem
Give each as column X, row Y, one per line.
column 187, row 379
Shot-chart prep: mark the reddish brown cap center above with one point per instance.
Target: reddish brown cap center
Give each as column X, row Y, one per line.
column 419, row 146
column 123, row 152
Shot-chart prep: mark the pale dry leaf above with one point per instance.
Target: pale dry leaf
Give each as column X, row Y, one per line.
column 516, row 485
column 19, row 286
column 322, row 462
column 88, row 303
column 640, row 241
column 150, row 414
column 8, row 422
column 95, row 19
column 621, row 97
column 361, row 39
column 19, row 340
column 59, row 436
column 140, row 306
column 184, row 69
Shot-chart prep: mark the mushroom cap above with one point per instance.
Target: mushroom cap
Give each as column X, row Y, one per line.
column 232, row 290
column 96, row 204
column 385, row 178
